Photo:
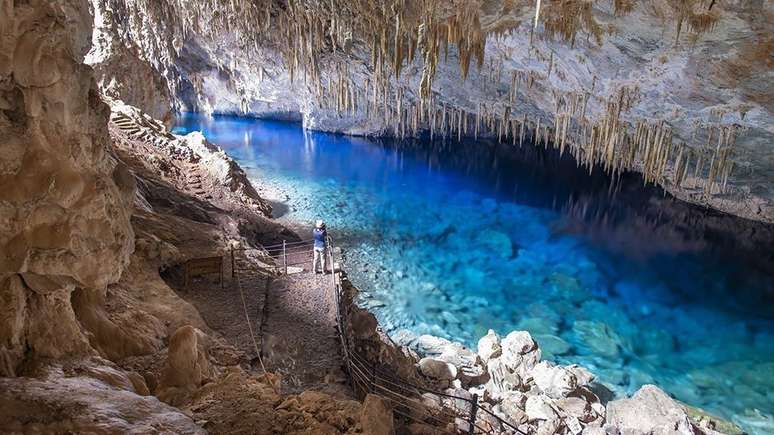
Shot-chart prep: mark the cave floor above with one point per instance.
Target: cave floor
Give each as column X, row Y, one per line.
column 293, row 321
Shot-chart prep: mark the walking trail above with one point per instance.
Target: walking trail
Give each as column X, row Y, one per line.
column 293, row 322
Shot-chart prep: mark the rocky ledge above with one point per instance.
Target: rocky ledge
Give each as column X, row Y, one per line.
column 510, row 380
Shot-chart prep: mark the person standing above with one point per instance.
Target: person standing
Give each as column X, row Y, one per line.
column 320, row 235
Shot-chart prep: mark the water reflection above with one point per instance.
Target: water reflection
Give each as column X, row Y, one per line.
column 454, row 238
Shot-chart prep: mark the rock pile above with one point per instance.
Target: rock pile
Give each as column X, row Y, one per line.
column 539, row 397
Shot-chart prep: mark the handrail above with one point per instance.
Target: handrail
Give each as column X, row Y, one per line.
column 368, row 376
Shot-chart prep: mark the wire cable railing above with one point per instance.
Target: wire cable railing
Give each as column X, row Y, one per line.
column 446, row 413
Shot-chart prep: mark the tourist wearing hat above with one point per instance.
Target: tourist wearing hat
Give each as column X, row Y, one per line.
column 320, row 245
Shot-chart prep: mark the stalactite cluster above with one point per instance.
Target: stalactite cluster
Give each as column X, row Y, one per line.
column 315, row 36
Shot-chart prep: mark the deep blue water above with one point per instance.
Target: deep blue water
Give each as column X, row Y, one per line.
column 452, row 239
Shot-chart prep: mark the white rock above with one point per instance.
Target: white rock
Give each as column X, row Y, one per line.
column 599, row 409
column 593, row 430
column 431, row 345
column 489, row 346
column 437, row 369
column 649, row 411
column 540, row 408
column 583, row 376
column 512, row 406
column 555, row 381
column 573, row 425
column 501, row 379
column 548, row 427
column 520, row 352
column 577, row 407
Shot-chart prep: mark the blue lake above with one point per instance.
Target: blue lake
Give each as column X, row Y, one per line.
column 453, row 239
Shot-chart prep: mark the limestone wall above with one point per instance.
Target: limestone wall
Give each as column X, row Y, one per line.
column 64, row 202
column 697, row 83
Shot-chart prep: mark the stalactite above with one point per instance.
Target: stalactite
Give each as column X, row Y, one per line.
column 521, row 130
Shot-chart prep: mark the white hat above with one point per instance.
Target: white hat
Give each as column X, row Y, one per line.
column 319, row 223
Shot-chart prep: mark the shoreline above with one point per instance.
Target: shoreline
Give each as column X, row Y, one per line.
column 734, row 202
column 277, row 194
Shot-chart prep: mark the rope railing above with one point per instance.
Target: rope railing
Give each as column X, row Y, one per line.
column 446, row 413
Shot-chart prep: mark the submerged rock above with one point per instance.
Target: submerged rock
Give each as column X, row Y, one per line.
column 599, row 337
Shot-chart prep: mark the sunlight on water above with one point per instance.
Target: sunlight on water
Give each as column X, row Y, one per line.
column 452, row 239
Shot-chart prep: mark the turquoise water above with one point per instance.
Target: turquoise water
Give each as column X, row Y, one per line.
column 452, row 239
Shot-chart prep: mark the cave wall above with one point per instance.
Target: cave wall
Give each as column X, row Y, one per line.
column 65, row 203
column 696, row 82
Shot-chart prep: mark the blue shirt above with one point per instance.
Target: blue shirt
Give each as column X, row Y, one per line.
column 320, row 234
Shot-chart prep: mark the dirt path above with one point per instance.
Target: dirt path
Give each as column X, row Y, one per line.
column 222, row 309
column 299, row 334
column 293, row 321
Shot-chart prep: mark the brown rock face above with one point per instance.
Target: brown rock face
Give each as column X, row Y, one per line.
column 187, row 366
column 64, row 204
column 376, row 416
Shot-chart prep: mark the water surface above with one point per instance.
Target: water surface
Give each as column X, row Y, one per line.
column 452, row 239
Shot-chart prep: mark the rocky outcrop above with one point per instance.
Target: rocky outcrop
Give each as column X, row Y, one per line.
column 640, row 63
column 190, row 163
column 85, row 402
column 187, row 367
column 64, row 202
column 537, row 397
column 376, row 416
column 650, row 410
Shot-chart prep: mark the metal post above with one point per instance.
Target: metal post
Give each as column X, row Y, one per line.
column 284, row 257
column 329, row 245
column 473, row 412
column 233, row 264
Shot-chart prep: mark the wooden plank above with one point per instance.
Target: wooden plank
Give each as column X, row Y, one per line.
column 203, row 266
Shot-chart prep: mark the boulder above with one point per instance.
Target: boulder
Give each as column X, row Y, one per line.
column 362, row 324
column 555, row 381
column 437, row 369
column 501, row 379
column 469, row 367
column 578, row 408
column 459, row 402
column 599, row 337
column 540, row 407
column 423, row 429
column 489, row 346
column 548, row 427
column 651, row 411
column 573, row 425
column 187, row 366
column 376, row 416
column 520, row 352
column 430, row 345
column 582, row 375
column 512, row 405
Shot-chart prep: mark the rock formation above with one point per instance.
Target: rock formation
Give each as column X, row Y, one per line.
column 93, row 340
column 65, row 202
column 90, row 335
column 517, row 389
column 617, row 84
